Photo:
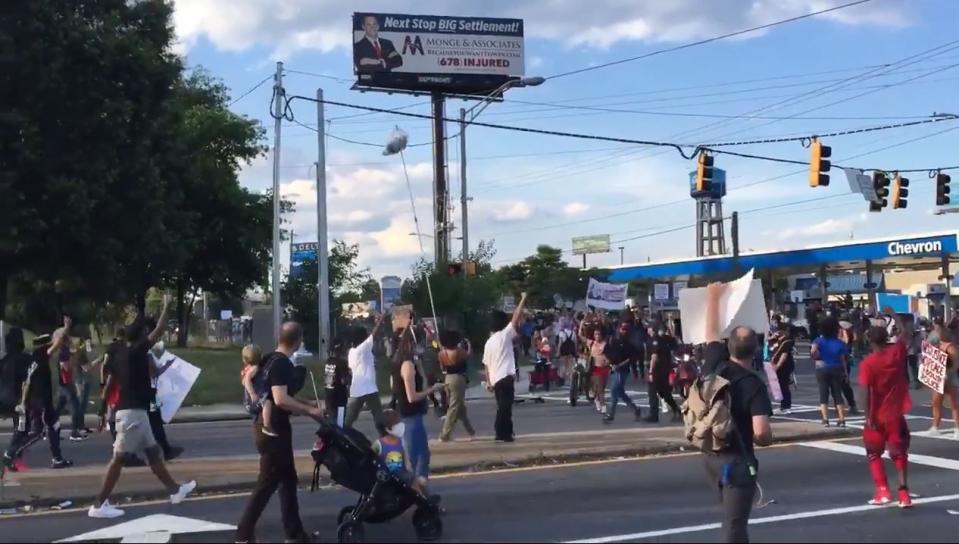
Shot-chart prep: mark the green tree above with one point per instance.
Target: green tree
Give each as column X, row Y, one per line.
column 225, row 230
column 84, row 123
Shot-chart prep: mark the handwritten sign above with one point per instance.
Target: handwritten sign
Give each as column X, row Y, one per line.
column 932, row 369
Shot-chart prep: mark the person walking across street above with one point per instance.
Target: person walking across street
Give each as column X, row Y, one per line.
column 499, row 359
column 830, row 354
column 34, row 412
column 734, row 470
column 130, row 364
column 600, row 373
column 942, row 337
column 411, row 393
column 848, row 335
column 886, row 393
column 662, row 347
column 67, row 393
column 363, row 389
column 454, row 353
column 623, row 358
column 783, row 361
column 277, row 466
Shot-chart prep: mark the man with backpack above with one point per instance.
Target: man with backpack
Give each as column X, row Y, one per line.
column 727, row 412
column 34, row 411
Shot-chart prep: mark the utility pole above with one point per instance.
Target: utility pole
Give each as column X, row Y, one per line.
column 622, row 260
column 277, row 118
column 322, row 249
column 463, row 197
column 440, row 212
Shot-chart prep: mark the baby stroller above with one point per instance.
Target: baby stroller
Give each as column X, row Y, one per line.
column 543, row 374
column 579, row 382
column 349, row 457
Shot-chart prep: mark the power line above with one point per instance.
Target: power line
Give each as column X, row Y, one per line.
column 317, row 74
column 253, row 88
column 708, row 40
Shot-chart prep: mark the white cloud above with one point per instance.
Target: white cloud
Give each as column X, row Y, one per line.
column 575, row 208
column 834, row 228
column 287, row 26
column 512, row 211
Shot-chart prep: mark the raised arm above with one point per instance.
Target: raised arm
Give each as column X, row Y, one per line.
column 157, row 332
column 518, row 312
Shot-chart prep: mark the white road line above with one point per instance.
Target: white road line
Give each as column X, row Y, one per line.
column 758, row 521
column 914, row 458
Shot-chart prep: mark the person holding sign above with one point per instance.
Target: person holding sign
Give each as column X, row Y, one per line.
column 943, row 338
column 885, row 384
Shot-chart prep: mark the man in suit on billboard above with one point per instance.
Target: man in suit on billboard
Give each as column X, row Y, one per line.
column 372, row 53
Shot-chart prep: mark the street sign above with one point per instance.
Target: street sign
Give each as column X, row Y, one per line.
column 585, row 245
column 860, row 183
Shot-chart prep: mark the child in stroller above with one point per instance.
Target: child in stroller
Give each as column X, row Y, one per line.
column 384, row 494
column 543, row 370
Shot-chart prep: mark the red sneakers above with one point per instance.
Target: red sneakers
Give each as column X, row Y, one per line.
column 884, row 497
column 905, row 501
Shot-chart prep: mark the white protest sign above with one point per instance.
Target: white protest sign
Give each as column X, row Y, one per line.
column 661, row 291
column 607, row 296
column 742, row 305
column 174, row 384
column 932, row 369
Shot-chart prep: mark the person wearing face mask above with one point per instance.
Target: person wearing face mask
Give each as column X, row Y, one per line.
column 389, row 448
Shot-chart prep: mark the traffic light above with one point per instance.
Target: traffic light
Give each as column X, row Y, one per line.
column 704, row 173
column 880, row 182
column 819, row 165
column 899, row 192
column 942, row 189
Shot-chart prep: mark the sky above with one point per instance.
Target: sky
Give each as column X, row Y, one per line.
column 879, row 63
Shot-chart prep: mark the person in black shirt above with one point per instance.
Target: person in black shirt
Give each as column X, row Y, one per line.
column 337, row 379
column 35, row 409
column 661, row 349
column 623, row 358
column 734, row 472
column 129, row 363
column 277, row 467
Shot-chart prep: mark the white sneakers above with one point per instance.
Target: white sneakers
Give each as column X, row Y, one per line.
column 183, row 493
column 933, row 430
column 108, row 511
column 104, row 511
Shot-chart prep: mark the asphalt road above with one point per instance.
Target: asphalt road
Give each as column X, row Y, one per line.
column 819, row 495
column 225, row 438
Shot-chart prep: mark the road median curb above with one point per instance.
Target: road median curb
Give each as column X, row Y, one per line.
column 504, row 459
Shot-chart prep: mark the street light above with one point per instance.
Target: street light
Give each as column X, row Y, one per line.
column 464, row 199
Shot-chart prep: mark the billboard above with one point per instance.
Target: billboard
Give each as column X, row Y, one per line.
column 585, row 245
column 390, row 287
column 301, row 254
column 468, row 55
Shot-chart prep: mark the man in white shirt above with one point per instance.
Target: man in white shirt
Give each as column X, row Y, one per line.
column 499, row 358
column 363, row 389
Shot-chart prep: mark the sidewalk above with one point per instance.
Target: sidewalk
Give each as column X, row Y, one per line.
column 45, row 487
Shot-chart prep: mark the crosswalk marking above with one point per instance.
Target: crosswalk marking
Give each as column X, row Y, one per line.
column 914, row 458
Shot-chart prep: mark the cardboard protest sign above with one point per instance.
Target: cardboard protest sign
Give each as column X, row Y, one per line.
column 174, row 384
column 932, row 368
column 742, row 304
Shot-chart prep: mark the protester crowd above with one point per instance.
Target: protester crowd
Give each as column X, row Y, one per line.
column 432, row 365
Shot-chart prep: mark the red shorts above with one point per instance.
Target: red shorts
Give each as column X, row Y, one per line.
column 894, row 438
column 601, row 371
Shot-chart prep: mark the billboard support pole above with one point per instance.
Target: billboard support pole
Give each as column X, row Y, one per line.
column 584, row 261
column 464, row 200
column 440, row 189
column 322, row 249
column 278, row 118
